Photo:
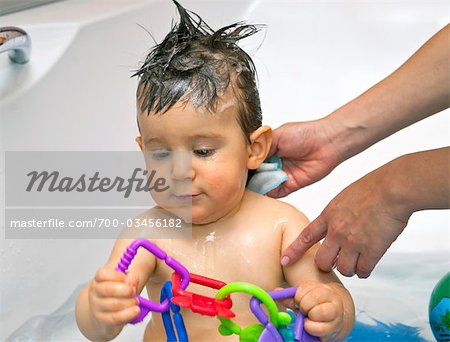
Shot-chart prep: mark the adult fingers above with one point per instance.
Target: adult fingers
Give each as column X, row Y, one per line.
column 275, row 193
column 365, row 265
column 347, row 261
column 276, row 135
column 281, row 191
column 312, row 234
column 327, row 254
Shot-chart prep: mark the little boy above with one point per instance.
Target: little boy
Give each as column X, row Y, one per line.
column 197, row 93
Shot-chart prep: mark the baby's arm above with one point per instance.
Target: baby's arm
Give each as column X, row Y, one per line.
column 321, row 296
column 109, row 301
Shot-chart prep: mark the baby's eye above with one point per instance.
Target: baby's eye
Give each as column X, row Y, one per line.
column 204, row 152
column 159, row 155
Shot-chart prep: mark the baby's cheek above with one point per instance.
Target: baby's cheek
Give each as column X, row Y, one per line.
column 226, row 185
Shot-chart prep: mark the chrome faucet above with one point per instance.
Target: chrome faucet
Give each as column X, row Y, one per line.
column 17, row 42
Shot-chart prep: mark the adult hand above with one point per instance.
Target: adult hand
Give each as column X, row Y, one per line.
column 360, row 224
column 307, row 152
column 311, row 150
column 363, row 220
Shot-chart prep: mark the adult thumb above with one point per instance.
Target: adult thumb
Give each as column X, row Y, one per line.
column 276, row 135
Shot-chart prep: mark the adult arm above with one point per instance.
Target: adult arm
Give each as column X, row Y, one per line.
column 363, row 220
column 417, row 89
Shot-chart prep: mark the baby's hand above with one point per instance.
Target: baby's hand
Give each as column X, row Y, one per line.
column 112, row 297
column 323, row 307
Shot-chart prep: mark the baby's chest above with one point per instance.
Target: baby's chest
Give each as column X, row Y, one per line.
column 245, row 260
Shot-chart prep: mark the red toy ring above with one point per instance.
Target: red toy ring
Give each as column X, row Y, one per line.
column 198, row 303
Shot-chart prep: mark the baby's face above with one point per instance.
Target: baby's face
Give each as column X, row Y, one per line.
column 211, row 169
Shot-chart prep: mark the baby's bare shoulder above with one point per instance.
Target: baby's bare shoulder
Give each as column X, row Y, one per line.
column 269, row 208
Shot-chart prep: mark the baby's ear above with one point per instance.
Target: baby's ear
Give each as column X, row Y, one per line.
column 261, row 141
column 139, row 141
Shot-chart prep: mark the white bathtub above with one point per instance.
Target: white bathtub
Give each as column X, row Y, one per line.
column 76, row 94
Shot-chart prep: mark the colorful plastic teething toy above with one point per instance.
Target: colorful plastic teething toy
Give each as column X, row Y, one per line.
column 166, row 293
column 298, row 334
column 147, row 305
column 278, row 327
column 268, row 331
column 198, row 303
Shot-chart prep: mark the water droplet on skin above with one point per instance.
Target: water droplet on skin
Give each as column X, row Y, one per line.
column 211, row 237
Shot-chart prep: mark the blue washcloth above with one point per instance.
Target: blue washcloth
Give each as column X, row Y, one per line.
column 267, row 176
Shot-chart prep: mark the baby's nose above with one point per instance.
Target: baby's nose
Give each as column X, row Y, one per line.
column 182, row 166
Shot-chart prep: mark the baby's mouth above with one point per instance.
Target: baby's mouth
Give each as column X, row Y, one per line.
column 188, row 197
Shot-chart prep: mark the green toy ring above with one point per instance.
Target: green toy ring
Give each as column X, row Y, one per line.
column 259, row 293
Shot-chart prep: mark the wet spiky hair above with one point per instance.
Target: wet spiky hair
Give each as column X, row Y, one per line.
column 195, row 63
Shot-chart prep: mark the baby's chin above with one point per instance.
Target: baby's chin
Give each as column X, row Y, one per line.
column 184, row 213
column 196, row 220
column 190, row 215
column 202, row 221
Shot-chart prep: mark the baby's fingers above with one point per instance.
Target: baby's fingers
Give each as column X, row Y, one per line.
column 314, row 297
column 114, row 304
column 114, row 289
column 132, row 280
column 107, row 273
column 119, row 317
column 321, row 329
column 325, row 312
